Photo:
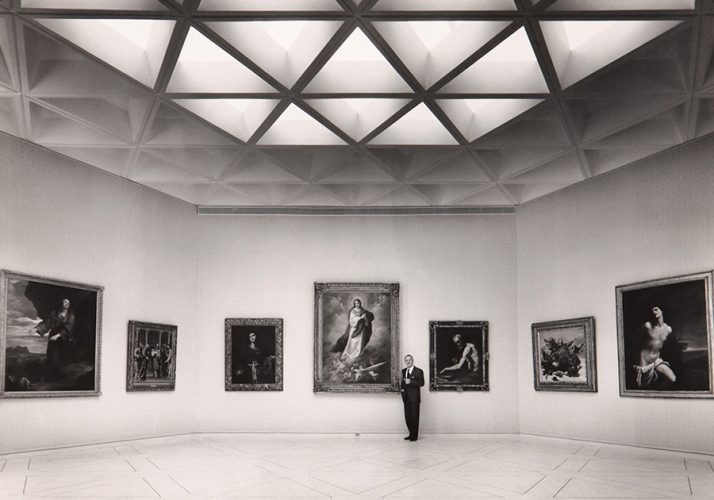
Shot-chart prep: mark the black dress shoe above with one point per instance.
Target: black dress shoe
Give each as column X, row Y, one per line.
column 407, row 438
column 412, row 439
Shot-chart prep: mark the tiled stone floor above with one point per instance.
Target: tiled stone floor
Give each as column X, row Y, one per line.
column 288, row 466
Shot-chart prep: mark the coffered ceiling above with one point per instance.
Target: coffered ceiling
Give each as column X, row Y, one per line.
column 272, row 104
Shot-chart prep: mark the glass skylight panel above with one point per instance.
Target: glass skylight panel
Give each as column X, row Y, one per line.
column 205, row 67
column 134, row 46
column 239, row 117
column 579, row 48
column 583, row 5
column 258, row 5
column 357, row 117
column 93, row 4
column 357, row 66
column 418, row 127
column 471, row 5
column 282, row 48
column 476, row 117
column 511, row 67
column 431, row 49
column 295, row 127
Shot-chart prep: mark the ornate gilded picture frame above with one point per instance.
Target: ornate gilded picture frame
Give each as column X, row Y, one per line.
column 254, row 354
column 356, row 337
column 458, row 356
column 664, row 336
column 564, row 355
column 50, row 337
column 151, row 357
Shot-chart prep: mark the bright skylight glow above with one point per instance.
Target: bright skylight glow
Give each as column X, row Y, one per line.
column 357, row 117
column 239, row 117
column 238, row 5
column 418, row 126
column 622, row 5
column 478, row 5
column 476, row 117
column 93, row 4
column 295, row 127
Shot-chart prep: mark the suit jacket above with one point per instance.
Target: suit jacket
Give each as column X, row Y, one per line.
column 410, row 391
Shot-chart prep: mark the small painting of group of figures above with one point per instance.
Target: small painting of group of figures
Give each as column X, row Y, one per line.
column 49, row 337
column 254, row 354
column 564, row 355
column 152, row 357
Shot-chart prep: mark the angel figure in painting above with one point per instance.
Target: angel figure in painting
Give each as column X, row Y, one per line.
column 357, row 333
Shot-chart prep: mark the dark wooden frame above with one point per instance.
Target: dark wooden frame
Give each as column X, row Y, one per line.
column 588, row 326
column 277, row 323
column 5, row 276
column 706, row 278
column 133, row 385
column 450, row 328
column 390, row 289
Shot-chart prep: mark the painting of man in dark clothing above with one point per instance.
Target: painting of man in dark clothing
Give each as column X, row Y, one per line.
column 253, row 354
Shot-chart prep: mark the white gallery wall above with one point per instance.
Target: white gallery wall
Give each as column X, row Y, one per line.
column 64, row 220
column 651, row 220
column 448, row 268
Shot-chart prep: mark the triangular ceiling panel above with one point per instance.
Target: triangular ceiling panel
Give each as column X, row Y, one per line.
column 357, row 195
column 430, row 49
column 477, row 117
column 565, row 169
column 418, row 126
column 313, row 196
column 225, row 195
column 507, row 162
column 94, row 4
column 511, row 67
column 357, row 117
column 10, row 115
column 466, row 5
column 270, row 193
column 112, row 160
column 445, row 194
column 356, row 169
column 55, row 68
column 664, row 129
column 210, row 162
column 120, row 116
column 135, row 47
column 257, row 5
column 527, row 192
column 295, row 127
column 149, row 168
column 605, row 160
column 255, row 167
column 579, row 48
column 584, row 5
column 203, row 66
column 239, row 117
column 462, row 168
column 8, row 66
column 493, row 196
column 172, row 127
column 282, row 48
column 357, row 66
column 405, row 163
column 309, row 164
column 404, row 196
column 49, row 127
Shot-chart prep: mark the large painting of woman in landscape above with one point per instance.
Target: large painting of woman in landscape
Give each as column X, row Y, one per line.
column 356, row 337
column 49, row 337
column 664, row 337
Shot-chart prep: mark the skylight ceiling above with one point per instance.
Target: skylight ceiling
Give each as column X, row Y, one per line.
column 342, row 103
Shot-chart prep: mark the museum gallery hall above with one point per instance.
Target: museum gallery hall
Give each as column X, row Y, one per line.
column 356, row 249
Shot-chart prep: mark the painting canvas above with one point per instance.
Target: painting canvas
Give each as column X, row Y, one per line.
column 664, row 337
column 458, row 352
column 356, row 337
column 49, row 338
column 254, row 354
column 564, row 355
column 151, row 357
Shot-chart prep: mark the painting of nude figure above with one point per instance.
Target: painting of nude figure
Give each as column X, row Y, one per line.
column 356, row 337
column 664, row 337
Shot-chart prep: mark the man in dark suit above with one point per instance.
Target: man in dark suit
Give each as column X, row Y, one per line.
column 412, row 380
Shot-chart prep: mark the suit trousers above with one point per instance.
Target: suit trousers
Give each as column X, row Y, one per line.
column 411, row 415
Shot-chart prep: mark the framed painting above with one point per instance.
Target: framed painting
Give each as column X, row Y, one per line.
column 151, row 357
column 664, row 330
column 50, row 337
column 564, row 355
column 356, row 337
column 254, row 354
column 458, row 355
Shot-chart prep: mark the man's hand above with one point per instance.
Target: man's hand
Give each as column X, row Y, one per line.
column 407, row 381
column 55, row 336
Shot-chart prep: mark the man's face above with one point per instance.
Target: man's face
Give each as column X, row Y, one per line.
column 252, row 337
column 65, row 303
column 409, row 361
